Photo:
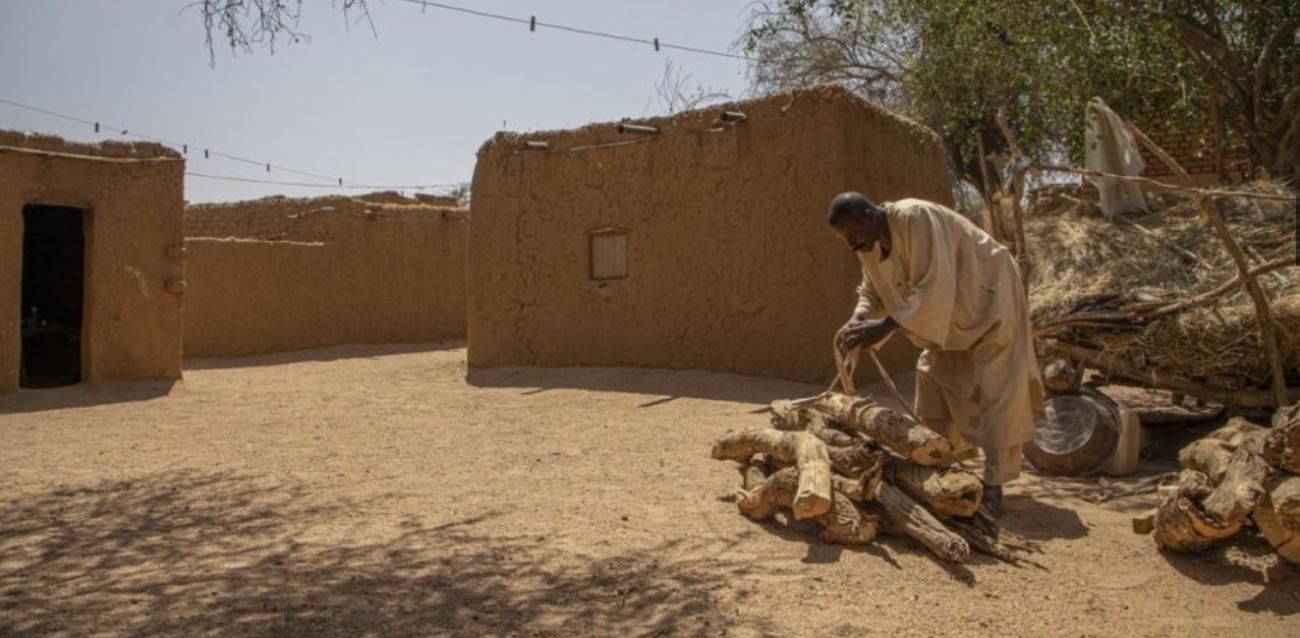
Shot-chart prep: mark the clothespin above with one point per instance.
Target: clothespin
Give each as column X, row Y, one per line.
column 656, row 44
column 96, row 127
column 532, row 23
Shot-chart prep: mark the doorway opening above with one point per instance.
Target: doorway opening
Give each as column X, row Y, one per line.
column 54, row 270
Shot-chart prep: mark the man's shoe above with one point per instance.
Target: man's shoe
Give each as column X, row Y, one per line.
column 991, row 501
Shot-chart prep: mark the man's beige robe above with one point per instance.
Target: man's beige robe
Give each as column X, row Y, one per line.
column 956, row 293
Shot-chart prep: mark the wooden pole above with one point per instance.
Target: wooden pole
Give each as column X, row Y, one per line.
column 1017, row 189
column 1263, row 313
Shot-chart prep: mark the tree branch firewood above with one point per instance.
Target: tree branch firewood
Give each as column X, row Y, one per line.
column 945, row 492
column 1278, row 516
column 842, row 523
column 813, row 496
column 1282, row 446
column 901, row 435
column 915, row 521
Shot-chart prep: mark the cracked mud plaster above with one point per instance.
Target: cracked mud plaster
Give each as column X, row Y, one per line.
column 131, row 326
column 731, row 266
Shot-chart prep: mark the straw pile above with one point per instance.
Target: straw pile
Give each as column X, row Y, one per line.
column 1083, row 263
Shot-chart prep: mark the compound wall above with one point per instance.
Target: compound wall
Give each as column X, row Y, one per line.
column 282, row 274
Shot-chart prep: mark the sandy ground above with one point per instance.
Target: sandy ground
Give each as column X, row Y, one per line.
column 377, row 492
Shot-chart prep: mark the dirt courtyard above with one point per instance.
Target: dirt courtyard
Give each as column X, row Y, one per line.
column 374, row 491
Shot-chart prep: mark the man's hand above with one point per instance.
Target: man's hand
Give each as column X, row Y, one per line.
column 857, row 333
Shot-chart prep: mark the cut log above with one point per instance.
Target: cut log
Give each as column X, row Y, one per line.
column 901, row 435
column 1278, row 516
column 1078, row 436
column 1176, row 524
column 787, row 416
column 913, row 519
column 813, row 497
column 945, row 492
column 1241, row 489
column 853, row 461
column 1209, row 456
column 1282, row 446
column 842, row 523
column 1238, row 432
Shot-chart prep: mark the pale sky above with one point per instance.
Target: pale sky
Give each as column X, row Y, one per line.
column 410, row 107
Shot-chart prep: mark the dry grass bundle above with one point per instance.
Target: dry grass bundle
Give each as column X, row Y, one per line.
column 1083, row 261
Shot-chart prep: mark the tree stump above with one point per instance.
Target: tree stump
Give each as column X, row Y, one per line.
column 1077, row 438
column 805, row 451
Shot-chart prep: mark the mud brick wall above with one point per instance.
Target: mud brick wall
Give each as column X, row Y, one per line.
column 730, row 264
column 338, row 271
column 132, row 195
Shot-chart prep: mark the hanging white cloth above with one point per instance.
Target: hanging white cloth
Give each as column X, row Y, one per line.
column 1110, row 148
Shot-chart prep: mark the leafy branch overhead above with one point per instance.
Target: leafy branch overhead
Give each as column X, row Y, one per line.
column 953, row 64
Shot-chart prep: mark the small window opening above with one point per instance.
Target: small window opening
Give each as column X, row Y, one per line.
column 608, row 254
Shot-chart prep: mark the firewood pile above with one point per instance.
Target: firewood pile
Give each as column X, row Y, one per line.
column 1239, row 475
column 857, row 468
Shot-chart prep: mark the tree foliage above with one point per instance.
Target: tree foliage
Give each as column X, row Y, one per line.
column 954, row 64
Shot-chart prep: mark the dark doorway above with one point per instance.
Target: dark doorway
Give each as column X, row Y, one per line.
column 54, row 268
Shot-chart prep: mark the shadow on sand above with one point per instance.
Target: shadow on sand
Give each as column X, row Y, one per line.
column 83, row 395
column 193, row 554
column 321, row 354
column 666, row 385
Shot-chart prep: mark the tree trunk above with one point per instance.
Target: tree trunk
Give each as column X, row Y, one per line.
column 899, row 434
column 813, row 497
column 913, row 520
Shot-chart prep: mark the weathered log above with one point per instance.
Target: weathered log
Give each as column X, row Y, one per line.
column 854, row 460
column 901, row 435
column 1241, row 489
column 1078, row 436
column 945, row 492
column 1238, row 432
column 1179, row 521
column 915, row 521
column 1209, row 456
column 842, row 523
column 787, row 416
column 813, row 497
column 1278, row 516
column 1282, row 446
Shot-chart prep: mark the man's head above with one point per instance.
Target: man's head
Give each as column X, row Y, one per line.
column 858, row 220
